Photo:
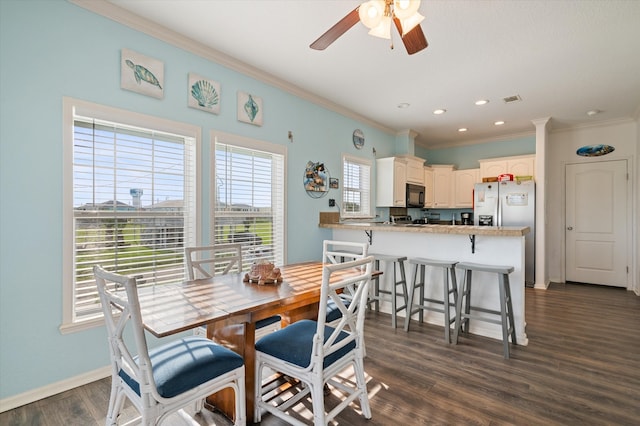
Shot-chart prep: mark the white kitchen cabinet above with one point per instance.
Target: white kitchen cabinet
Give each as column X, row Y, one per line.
column 391, row 182
column 428, row 187
column 415, row 170
column 521, row 165
column 442, row 185
column 463, row 184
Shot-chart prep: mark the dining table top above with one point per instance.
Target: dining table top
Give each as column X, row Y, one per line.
column 172, row 308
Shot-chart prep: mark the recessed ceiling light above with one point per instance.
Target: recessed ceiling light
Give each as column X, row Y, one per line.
column 403, row 105
column 593, row 112
column 439, row 111
column 499, row 123
column 482, row 102
column 462, row 129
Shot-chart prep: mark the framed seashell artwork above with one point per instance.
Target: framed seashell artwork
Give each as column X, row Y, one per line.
column 204, row 93
column 249, row 109
column 141, row 74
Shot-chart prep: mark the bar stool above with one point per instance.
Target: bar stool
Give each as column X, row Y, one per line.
column 377, row 294
column 423, row 303
column 463, row 303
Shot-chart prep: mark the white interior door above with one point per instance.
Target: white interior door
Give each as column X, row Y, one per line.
column 596, row 223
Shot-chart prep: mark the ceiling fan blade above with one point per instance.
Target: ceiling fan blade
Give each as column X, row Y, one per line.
column 414, row 41
column 337, row 30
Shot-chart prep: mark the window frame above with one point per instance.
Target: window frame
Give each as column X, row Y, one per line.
column 362, row 162
column 75, row 107
column 247, row 143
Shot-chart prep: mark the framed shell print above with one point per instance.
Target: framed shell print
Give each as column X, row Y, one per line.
column 204, row 94
column 250, row 108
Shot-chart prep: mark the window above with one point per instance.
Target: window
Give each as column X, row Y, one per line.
column 130, row 200
column 356, row 187
column 248, row 197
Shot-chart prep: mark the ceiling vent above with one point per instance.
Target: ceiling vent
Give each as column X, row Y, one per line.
column 514, row 98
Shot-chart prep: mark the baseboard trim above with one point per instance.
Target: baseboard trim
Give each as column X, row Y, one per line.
column 53, row 389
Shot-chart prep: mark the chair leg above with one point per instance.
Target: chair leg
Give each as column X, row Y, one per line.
column 412, row 286
column 422, row 285
column 512, row 323
column 462, row 306
column 317, row 401
column 361, row 382
column 447, row 313
column 503, row 315
column 394, row 302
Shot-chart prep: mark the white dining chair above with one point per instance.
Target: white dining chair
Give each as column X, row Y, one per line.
column 221, row 259
column 334, row 251
column 167, row 378
column 218, row 259
column 315, row 353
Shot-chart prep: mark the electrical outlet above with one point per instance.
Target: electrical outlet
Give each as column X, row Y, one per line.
column 332, row 202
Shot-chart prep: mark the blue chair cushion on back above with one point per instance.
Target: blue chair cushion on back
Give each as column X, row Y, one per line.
column 294, row 344
column 333, row 313
column 184, row 364
column 267, row 321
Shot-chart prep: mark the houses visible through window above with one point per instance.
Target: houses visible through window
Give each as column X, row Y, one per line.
column 248, row 197
column 132, row 209
column 356, row 187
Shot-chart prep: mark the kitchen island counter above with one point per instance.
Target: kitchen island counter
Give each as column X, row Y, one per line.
column 496, row 231
column 490, row 245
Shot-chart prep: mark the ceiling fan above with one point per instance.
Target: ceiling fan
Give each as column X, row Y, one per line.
column 377, row 15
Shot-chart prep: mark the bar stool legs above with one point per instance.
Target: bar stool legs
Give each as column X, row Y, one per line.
column 464, row 308
column 423, row 303
column 376, row 297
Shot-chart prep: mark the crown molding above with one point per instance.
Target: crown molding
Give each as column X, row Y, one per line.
column 136, row 22
column 603, row 123
column 488, row 139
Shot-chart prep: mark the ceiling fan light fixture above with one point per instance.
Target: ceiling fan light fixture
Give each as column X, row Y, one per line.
column 411, row 22
column 371, row 13
column 405, row 8
column 383, row 30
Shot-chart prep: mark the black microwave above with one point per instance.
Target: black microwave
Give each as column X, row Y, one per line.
column 415, row 195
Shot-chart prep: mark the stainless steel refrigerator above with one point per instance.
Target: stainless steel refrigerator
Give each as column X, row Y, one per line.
column 509, row 203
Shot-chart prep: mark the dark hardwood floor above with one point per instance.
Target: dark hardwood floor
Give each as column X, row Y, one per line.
column 581, row 367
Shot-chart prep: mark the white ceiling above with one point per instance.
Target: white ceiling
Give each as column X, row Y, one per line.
column 562, row 57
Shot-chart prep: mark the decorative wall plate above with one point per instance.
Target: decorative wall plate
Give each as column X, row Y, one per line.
column 594, row 150
column 358, row 138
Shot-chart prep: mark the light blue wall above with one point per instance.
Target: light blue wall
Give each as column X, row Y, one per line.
column 50, row 49
column 466, row 157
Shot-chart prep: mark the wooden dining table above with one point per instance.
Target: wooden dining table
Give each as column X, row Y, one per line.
column 229, row 307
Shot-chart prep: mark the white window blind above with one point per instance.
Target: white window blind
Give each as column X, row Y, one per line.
column 249, row 201
column 133, row 206
column 356, row 187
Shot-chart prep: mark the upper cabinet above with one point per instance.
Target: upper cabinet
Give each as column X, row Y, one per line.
column 391, row 182
column 442, row 185
column 415, row 170
column 463, row 185
column 521, row 165
column 428, row 187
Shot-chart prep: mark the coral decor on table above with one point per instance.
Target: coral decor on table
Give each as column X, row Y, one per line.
column 263, row 273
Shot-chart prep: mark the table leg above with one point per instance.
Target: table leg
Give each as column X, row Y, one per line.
column 239, row 337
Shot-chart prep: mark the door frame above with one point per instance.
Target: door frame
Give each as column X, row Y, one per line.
column 631, row 223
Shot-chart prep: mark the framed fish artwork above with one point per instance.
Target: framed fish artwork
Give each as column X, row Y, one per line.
column 141, row 74
column 204, row 94
column 250, row 108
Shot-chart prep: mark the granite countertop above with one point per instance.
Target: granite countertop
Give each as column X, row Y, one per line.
column 497, row 231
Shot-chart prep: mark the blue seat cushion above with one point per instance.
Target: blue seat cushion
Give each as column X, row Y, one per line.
column 268, row 321
column 294, row 343
column 184, row 364
column 333, row 313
